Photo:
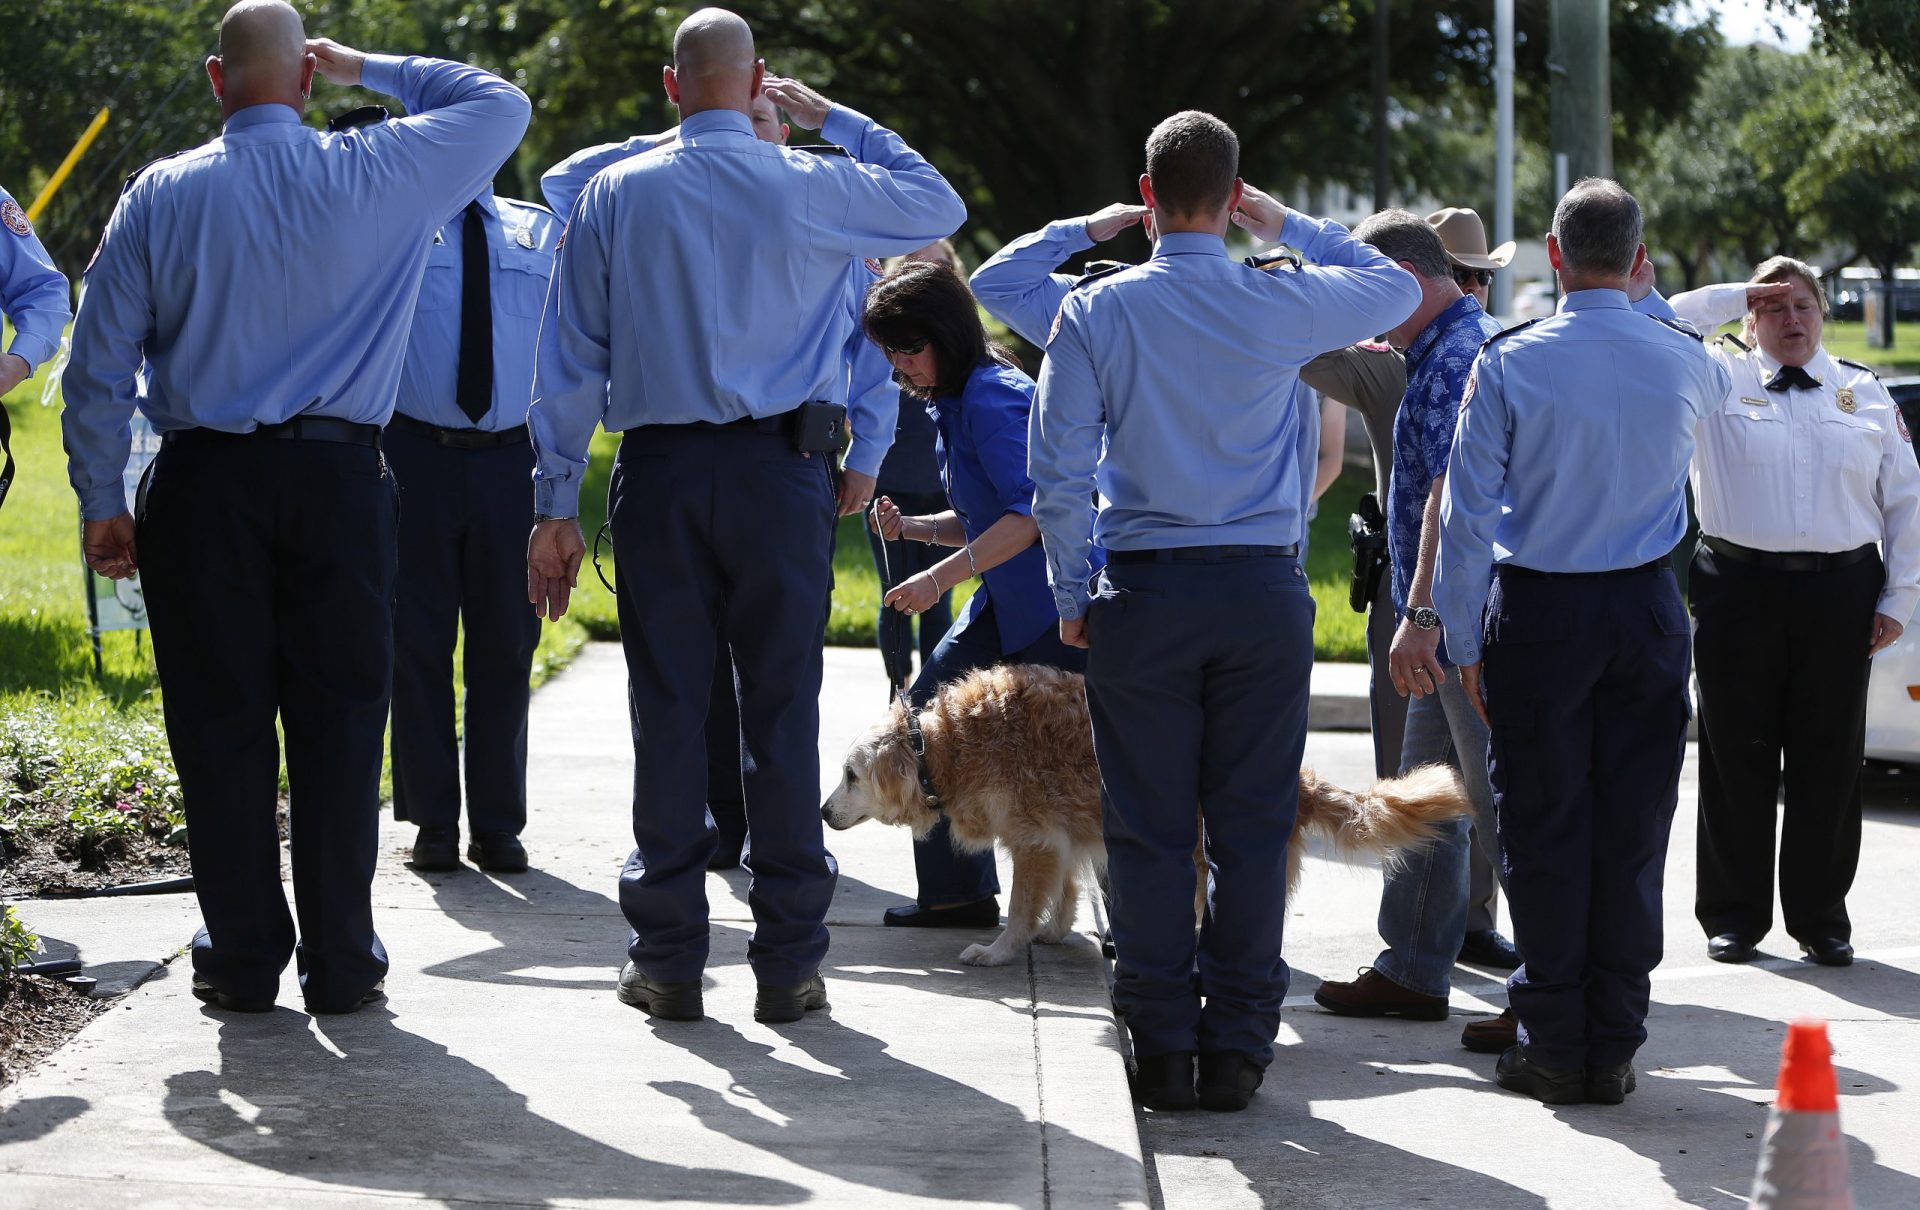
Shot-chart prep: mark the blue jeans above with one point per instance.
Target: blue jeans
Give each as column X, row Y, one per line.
column 1423, row 911
column 945, row 874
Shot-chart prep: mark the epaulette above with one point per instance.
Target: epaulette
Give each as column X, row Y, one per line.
column 1519, row 327
column 1874, row 374
column 1735, row 341
column 1273, row 262
column 141, row 171
column 824, row 149
column 1681, row 326
column 366, row 115
column 1098, row 269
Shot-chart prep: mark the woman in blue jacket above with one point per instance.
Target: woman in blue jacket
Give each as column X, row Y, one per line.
column 926, row 320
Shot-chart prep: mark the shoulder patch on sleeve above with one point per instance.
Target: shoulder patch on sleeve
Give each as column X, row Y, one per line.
column 16, row 219
column 365, row 115
column 1681, row 326
column 1519, row 327
column 874, row 266
column 1901, row 420
column 1868, row 370
column 1473, row 384
column 1728, row 338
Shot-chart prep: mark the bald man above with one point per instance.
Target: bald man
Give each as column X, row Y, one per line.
column 252, row 297
column 873, row 407
column 699, row 308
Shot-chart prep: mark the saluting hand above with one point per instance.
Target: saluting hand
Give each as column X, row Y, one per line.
column 335, row 63
column 1766, row 292
column 1260, row 215
column 1103, row 225
column 108, row 547
column 808, row 107
column 554, row 551
column 1640, row 281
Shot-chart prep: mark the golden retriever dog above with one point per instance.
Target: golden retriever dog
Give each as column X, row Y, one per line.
column 1009, row 751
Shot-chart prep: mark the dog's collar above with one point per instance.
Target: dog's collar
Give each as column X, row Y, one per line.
column 917, row 742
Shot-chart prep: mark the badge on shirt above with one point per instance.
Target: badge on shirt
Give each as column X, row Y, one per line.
column 524, row 237
column 1758, row 403
column 1845, row 399
column 15, row 218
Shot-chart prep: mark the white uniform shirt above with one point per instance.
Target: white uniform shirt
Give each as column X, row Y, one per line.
column 1793, row 470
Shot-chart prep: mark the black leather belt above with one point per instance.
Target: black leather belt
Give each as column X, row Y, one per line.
column 1203, row 554
column 461, row 439
column 300, row 428
column 1779, row 560
column 779, row 423
column 1528, row 573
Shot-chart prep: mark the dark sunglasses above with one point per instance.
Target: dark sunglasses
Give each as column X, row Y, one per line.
column 904, row 350
column 1468, row 277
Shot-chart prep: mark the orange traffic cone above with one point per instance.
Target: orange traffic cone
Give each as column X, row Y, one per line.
column 1803, row 1159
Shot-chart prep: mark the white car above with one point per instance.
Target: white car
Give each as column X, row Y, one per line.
column 1893, row 695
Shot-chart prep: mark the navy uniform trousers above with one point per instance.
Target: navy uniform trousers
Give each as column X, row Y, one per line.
column 1586, row 685
column 1782, row 660
column 268, row 567
column 463, row 555
column 722, row 538
column 1197, row 682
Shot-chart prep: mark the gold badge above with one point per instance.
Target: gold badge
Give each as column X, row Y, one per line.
column 1845, row 400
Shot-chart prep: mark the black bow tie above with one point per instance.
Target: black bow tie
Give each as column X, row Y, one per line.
column 1792, row 376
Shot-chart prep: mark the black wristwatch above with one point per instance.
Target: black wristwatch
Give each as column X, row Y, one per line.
column 1423, row 618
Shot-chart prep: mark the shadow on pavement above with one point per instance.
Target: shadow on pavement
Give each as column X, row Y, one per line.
column 533, row 917
column 27, row 1120
column 365, row 1106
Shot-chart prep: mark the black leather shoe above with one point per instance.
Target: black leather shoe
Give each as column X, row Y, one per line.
column 497, row 852
column 980, row 914
column 1731, row 947
column 668, row 1001
column 436, row 848
column 1227, row 1080
column 373, row 995
column 779, row 1005
column 203, row 990
column 1609, row 1085
column 1486, row 947
column 1164, row 1081
column 1548, row 1085
column 1829, row 951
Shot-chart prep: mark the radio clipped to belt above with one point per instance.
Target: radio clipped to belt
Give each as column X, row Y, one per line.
column 1367, row 533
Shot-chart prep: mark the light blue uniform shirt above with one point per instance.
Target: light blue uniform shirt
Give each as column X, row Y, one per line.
column 1572, row 452
column 710, row 280
column 273, row 272
column 520, row 242
column 33, row 294
column 1173, row 387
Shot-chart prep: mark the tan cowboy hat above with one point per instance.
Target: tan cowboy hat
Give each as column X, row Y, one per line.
column 1466, row 239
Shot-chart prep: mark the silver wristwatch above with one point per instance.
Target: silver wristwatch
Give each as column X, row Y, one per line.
column 1423, row 618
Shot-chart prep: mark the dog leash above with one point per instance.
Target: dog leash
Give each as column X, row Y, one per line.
column 916, row 738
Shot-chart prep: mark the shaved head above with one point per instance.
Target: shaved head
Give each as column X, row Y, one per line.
column 712, row 42
column 263, row 56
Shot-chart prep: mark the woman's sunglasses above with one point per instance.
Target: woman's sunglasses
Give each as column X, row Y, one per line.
column 908, row 349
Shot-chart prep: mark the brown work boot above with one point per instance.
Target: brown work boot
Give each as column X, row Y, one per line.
column 1493, row 1035
column 1375, row 995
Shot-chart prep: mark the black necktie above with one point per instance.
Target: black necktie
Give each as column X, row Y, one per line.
column 473, row 386
column 1792, row 376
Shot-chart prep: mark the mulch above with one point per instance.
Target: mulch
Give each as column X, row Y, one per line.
column 37, row 1016
column 42, row 862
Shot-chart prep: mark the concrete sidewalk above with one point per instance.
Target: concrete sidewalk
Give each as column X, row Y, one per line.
column 503, row 1071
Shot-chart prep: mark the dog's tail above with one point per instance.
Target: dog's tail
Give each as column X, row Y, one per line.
column 1396, row 815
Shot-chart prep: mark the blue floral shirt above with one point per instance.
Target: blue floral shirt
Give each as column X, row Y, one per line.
column 1438, row 363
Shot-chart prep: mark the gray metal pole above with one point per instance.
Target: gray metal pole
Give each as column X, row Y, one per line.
column 1502, row 299
column 1579, row 60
